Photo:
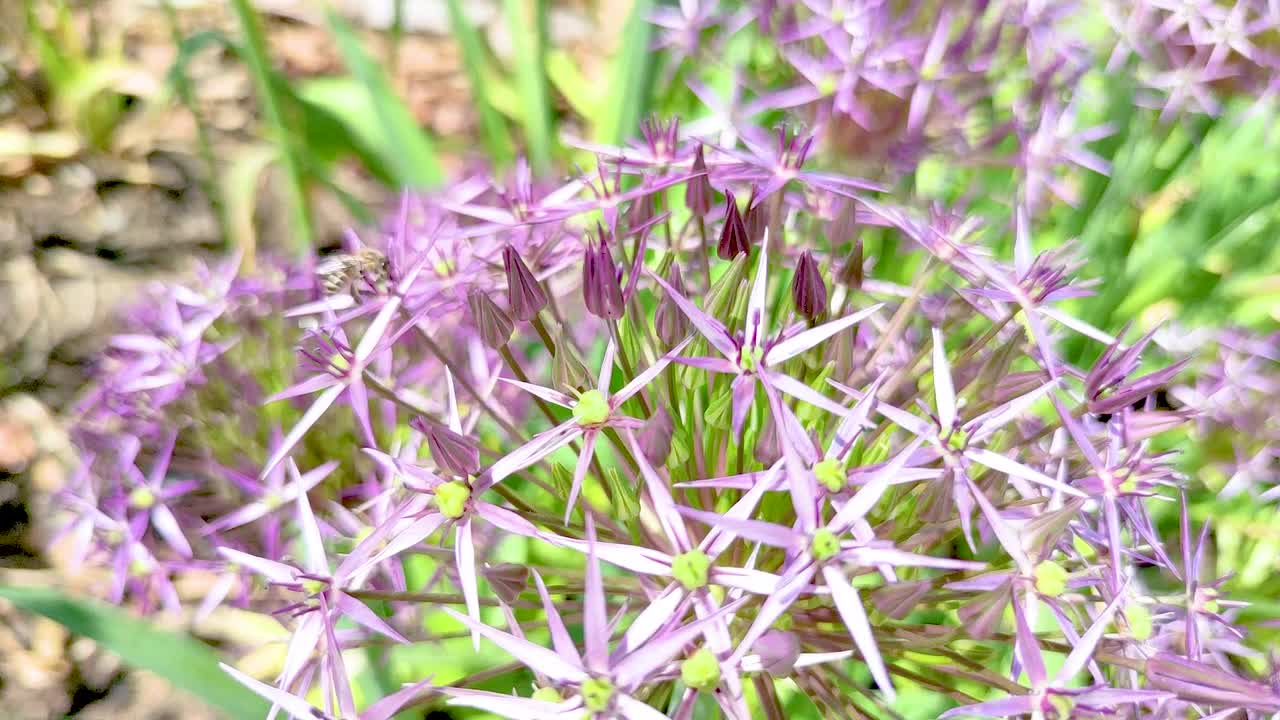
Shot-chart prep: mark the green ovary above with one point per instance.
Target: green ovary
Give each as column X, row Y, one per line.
column 831, row 474
column 1051, row 579
column 597, row 693
column 690, row 569
column 592, row 408
column 451, row 499
column 824, row 544
column 314, row 587
column 701, row 671
column 142, row 498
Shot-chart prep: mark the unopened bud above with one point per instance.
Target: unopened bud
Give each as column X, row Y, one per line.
column 698, row 194
column 491, row 321
column 768, row 447
column 624, row 502
column 733, row 237
column 640, row 213
column 601, row 288
column 670, row 321
column 568, row 371
column 524, row 292
column 655, row 438
column 845, row 229
column 508, row 580
column 808, row 290
column 756, row 219
column 778, row 650
column 453, row 453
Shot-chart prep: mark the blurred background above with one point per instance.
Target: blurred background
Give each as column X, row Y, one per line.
column 139, row 136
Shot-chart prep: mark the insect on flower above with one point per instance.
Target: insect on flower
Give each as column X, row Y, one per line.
column 356, row 273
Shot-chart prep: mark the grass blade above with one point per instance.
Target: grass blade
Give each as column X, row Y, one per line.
column 181, row 659
column 414, row 161
column 632, row 77
column 186, row 94
column 493, row 130
column 255, row 54
column 527, row 22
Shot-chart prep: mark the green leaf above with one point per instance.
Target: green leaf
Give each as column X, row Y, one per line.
column 338, row 119
column 492, row 128
column 583, row 96
column 630, row 87
column 413, row 159
column 527, row 22
column 181, row 659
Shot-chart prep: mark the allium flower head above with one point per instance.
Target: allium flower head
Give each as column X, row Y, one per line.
column 831, row 445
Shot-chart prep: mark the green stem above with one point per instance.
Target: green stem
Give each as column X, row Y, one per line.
column 204, row 145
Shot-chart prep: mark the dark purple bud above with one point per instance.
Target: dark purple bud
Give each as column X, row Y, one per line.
column 524, row 292
column 672, row 324
column 756, row 220
column 655, row 438
column 808, row 290
column 453, row 453
column 698, row 194
column 733, row 238
column 508, row 580
column 601, row 287
column 492, row 321
column 778, row 650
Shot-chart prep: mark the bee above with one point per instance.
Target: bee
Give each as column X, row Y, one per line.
column 355, row 273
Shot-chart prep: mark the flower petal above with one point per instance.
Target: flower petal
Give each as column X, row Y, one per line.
column 535, row 657
column 796, row 344
column 849, row 605
column 710, row 328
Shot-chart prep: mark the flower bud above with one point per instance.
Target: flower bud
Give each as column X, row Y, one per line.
column 453, row 453
column 655, row 438
column 768, row 448
column 733, row 237
column 524, row 292
column 492, row 321
column 851, row 273
column 508, row 580
column 697, row 192
column 808, row 291
column 778, row 650
column 897, row 600
column 601, row 289
column 623, row 500
column 568, row 371
column 755, row 220
column 640, row 213
column 670, row 321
